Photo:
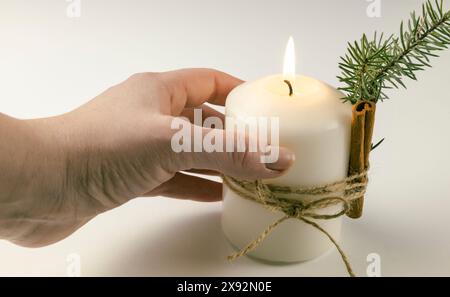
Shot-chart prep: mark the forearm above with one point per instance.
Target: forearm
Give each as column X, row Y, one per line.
column 29, row 176
column 15, row 147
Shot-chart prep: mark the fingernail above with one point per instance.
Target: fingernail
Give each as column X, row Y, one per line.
column 285, row 159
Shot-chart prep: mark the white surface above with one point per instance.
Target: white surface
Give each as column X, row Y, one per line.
column 50, row 64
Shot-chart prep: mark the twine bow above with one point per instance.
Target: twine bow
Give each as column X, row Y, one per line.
column 274, row 198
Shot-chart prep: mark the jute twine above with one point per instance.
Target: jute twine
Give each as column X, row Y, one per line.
column 273, row 198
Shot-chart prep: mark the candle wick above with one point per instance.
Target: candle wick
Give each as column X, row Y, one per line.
column 291, row 91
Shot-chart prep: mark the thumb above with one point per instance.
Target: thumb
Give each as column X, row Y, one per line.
column 233, row 154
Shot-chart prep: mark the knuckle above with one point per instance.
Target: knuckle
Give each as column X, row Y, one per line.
column 245, row 159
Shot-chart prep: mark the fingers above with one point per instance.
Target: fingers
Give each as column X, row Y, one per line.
column 183, row 186
column 193, row 87
column 232, row 157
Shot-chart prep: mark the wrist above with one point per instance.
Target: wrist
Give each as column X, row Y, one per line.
column 14, row 156
column 32, row 165
column 47, row 155
column 36, row 203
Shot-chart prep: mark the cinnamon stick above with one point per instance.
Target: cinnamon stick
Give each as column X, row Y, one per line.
column 363, row 120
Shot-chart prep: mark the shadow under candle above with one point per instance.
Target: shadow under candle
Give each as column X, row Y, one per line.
column 187, row 247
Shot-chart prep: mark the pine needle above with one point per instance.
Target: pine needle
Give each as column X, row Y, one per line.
column 372, row 66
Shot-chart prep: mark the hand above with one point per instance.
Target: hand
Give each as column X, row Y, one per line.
column 70, row 168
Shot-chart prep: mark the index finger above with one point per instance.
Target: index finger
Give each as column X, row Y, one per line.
column 195, row 86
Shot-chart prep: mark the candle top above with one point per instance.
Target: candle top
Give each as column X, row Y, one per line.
column 314, row 105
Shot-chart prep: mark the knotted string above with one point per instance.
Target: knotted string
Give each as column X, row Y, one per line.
column 271, row 197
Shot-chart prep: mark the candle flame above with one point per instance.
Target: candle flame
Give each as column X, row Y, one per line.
column 289, row 61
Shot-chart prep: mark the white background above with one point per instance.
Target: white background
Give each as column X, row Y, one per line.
column 50, row 64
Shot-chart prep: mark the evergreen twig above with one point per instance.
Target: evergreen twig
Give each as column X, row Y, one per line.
column 371, row 66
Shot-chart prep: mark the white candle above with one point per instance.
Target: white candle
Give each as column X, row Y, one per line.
column 316, row 125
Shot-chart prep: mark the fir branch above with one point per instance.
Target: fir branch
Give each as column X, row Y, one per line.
column 371, row 66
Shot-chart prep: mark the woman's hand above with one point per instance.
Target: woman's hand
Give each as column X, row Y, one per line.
column 60, row 172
